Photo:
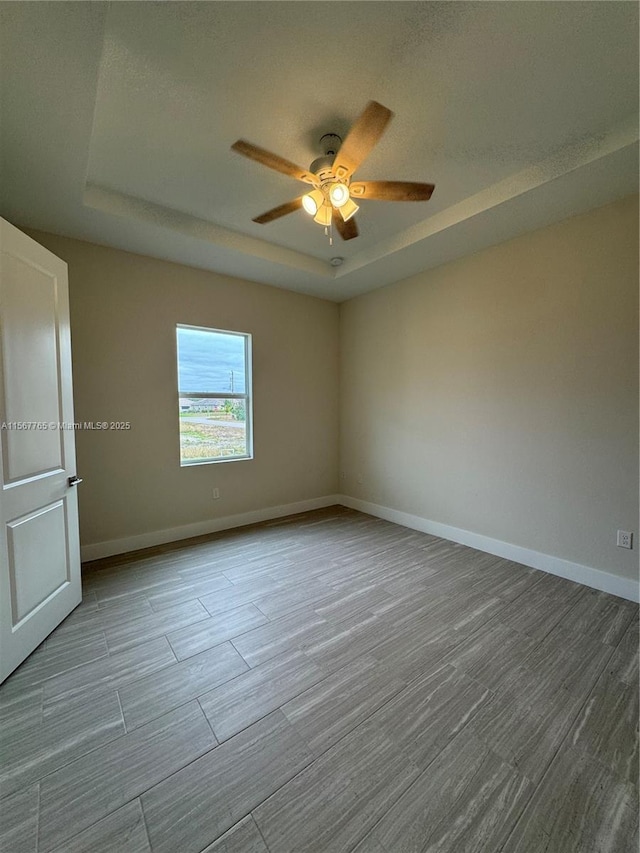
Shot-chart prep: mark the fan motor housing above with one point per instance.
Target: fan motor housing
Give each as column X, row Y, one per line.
column 322, row 166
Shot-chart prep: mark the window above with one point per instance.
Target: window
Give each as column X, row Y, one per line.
column 214, row 395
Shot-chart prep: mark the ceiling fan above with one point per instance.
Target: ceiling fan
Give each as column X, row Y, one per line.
column 331, row 201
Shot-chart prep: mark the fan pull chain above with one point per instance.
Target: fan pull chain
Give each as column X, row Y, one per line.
column 328, row 232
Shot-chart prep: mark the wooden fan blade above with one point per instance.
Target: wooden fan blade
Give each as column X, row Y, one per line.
column 281, row 210
column 391, row 190
column 347, row 230
column 273, row 161
column 361, row 138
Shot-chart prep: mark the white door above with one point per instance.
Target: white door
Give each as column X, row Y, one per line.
column 39, row 542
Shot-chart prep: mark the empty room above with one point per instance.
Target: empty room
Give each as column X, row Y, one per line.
column 319, row 412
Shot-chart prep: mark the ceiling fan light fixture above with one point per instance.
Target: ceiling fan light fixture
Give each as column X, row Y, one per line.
column 330, row 176
column 323, row 216
column 313, row 201
column 338, row 194
column 348, row 209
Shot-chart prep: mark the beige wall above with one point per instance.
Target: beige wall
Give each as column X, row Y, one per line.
column 499, row 393
column 124, row 309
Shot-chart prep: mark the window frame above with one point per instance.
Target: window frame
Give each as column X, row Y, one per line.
column 247, row 396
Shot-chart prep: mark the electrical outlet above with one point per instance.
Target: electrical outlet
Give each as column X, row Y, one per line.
column 343, row 475
column 360, row 479
column 625, row 539
column 216, row 494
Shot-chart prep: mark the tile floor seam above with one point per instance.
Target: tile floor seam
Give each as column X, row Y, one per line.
column 91, row 691
column 90, row 826
column 314, row 758
column 128, row 646
column 115, row 739
column 273, row 710
column 547, row 769
column 230, row 639
column 45, row 776
column 218, row 746
column 610, row 771
column 351, row 731
column 144, row 822
column 215, row 737
column 357, row 725
column 140, row 794
column 41, row 682
column 124, row 722
column 38, row 820
column 264, row 840
column 422, row 771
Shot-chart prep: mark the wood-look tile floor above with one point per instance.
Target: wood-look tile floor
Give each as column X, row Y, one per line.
column 328, row 682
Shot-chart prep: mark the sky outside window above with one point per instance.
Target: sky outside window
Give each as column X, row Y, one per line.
column 210, row 362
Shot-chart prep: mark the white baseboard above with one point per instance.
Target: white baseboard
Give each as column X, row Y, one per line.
column 595, row 578
column 212, row 525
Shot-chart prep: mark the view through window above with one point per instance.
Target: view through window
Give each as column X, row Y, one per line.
column 214, row 395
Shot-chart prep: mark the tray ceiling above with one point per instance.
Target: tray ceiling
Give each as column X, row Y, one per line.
column 118, row 120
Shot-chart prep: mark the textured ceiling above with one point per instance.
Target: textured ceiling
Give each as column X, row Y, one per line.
column 117, row 123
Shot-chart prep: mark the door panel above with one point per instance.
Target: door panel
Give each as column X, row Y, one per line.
column 38, row 559
column 31, row 368
column 39, row 540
